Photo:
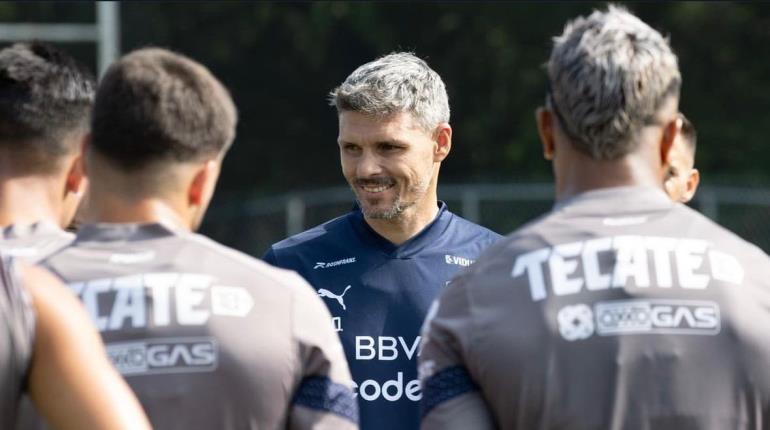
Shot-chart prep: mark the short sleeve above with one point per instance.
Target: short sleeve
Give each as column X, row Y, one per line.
column 451, row 398
column 324, row 398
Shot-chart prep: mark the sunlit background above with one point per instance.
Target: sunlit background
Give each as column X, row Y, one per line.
column 280, row 61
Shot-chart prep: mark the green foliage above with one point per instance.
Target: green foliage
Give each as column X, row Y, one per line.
column 281, row 59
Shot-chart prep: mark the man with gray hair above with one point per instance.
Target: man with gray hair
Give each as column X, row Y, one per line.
column 381, row 265
column 619, row 309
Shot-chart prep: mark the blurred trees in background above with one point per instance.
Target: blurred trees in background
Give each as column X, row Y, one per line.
column 281, row 60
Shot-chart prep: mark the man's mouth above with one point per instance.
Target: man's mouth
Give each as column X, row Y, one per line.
column 375, row 187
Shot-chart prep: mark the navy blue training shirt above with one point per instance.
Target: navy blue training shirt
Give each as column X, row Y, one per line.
column 378, row 294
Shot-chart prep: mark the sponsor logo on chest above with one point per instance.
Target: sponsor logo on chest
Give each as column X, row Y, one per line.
column 625, row 317
column 625, row 261
column 170, row 355
column 328, row 265
column 388, row 348
column 162, row 299
column 457, row 261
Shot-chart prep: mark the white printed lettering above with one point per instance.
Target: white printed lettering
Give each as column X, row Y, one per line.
column 595, row 280
column 189, row 295
column 391, row 390
column 561, row 268
column 631, row 265
column 129, row 303
column 531, row 263
column 687, row 262
column 369, row 346
column 160, row 285
column 661, row 251
column 631, row 262
column 91, row 301
column 387, row 348
column 409, row 351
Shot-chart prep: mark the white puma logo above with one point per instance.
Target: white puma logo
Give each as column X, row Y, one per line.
column 323, row 292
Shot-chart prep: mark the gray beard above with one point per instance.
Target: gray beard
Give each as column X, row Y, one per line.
column 389, row 214
column 398, row 207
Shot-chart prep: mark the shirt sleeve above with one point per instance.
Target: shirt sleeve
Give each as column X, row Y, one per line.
column 451, row 398
column 17, row 304
column 324, row 398
column 269, row 257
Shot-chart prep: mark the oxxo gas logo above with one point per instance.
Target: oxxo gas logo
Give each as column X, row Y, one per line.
column 684, row 317
column 173, row 355
column 576, row 322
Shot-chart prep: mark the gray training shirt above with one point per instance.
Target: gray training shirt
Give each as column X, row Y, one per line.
column 207, row 337
column 17, row 329
column 33, row 242
column 617, row 310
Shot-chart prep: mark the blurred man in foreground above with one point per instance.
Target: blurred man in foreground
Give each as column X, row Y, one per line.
column 45, row 99
column 682, row 178
column 380, row 266
column 49, row 348
column 207, row 337
column 619, row 309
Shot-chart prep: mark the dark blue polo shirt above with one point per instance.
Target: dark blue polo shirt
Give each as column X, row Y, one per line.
column 378, row 294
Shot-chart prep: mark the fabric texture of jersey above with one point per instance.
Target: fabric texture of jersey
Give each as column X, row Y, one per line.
column 207, row 337
column 378, row 294
column 33, row 242
column 17, row 329
column 617, row 310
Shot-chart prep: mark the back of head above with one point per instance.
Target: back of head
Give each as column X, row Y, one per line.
column 609, row 74
column 45, row 100
column 155, row 106
column 399, row 82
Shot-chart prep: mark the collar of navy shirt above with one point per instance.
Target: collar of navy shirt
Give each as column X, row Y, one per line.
column 426, row 237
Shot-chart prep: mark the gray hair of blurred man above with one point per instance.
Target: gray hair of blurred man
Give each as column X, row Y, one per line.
column 399, row 82
column 608, row 75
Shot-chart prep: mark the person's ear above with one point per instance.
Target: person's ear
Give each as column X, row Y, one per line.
column 692, row 185
column 76, row 180
column 203, row 183
column 443, row 139
column 670, row 133
column 544, row 120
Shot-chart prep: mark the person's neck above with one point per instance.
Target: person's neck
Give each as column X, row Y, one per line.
column 586, row 174
column 111, row 208
column 411, row 222
column 27, row 200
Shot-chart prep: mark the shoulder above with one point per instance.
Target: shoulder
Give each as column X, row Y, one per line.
column 255, row 267
column 472, row 230
column 720, row 236
column 326, row 234
column 529, row 236
column 326, row 231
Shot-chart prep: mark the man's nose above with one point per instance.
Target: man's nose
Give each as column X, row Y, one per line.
column 368, row 165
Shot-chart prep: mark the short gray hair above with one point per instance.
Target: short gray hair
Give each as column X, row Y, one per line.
column 609, row 74
column 399, row 82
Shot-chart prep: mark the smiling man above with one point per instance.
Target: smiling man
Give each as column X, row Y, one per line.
column 379, row 267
